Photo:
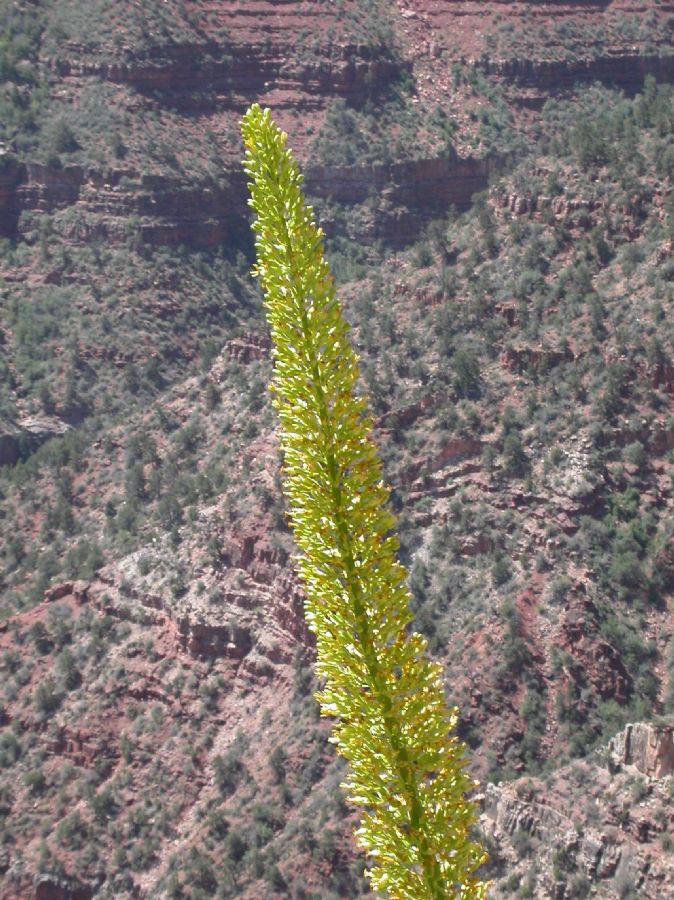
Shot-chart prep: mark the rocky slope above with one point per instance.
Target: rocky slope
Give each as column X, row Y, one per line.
column 557, row 822
column 175, row 80
column 158, row 737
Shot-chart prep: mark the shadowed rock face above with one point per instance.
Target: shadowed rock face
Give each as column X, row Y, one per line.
column 626, row 72
column 210, row 214
column 12, row 173
column 48, row 887
column 183, row 71
column 9, row 449
column 202, row 214
column 24, row 436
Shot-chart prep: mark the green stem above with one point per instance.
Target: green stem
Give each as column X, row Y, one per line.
column 419, row 848
column 391, row 727
column 404, row 771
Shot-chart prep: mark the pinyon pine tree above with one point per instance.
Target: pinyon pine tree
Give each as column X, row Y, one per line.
column 407, row 773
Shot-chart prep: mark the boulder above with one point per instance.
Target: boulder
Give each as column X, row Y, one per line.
column 647, row 747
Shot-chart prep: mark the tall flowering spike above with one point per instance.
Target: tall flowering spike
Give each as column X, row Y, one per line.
column 406, row 772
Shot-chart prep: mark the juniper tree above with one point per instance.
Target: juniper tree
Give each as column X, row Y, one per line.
column 407, row 771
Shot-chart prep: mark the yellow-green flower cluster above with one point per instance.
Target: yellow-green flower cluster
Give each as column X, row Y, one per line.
column 406, row 772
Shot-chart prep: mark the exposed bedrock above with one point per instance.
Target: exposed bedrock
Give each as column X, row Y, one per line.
column 210, row 213
column 554, row 76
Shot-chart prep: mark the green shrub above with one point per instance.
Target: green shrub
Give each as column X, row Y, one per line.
column 47, row 697
column 35, row 781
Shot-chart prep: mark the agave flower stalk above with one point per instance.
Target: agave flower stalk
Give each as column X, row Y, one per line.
column 407, row 772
